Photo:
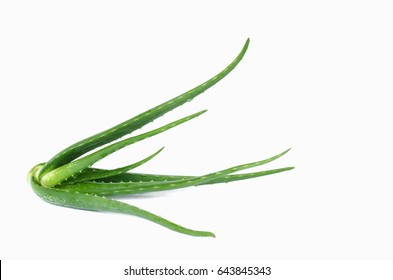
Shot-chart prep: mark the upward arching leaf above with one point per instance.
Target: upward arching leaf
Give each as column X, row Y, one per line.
column 65, row 171
column 95, row 174
column 76, row 150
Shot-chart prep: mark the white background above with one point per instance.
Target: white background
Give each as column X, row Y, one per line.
column 317, row 78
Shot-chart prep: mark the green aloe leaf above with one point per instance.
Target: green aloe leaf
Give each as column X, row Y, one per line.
column 76, row 150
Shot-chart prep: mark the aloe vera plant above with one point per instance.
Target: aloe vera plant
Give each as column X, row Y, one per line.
column 69, row 180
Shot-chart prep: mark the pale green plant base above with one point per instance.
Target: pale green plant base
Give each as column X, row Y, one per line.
column 69, row 179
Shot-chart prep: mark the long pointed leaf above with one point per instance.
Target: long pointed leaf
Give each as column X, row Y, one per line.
column 96, row 203
column 95, row 174
column 142, row 177
column 61, row 173
column 76, row 150
column 110, row 189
